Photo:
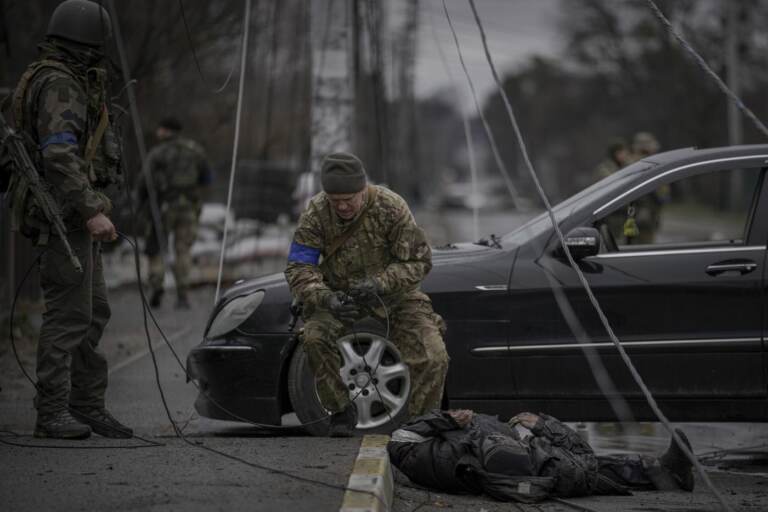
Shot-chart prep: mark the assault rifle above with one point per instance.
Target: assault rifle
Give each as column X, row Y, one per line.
column 22, row 163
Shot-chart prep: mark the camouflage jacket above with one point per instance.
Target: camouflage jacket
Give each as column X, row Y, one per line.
column 387, row 246
column 179, row 169
column 59, row 103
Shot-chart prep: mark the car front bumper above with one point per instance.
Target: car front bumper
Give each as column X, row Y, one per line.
column 242, row 382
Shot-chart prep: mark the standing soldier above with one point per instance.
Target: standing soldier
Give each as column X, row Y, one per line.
column 371, row 249
column 179, row 172
column 618, row 156
column 61, row 103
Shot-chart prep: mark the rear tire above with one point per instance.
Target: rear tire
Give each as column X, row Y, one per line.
column 393, row 385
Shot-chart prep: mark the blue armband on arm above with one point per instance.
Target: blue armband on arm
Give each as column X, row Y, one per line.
column 303, row 254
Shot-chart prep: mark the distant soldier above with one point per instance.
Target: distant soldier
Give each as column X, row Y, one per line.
column 62, row 103
column 647, row 210
column 361, row 240
column 180, row 173
column 617, row 158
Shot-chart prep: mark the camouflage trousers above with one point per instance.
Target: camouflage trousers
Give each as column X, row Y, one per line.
column 181, row 221
column 71, row 370
column 417, row 332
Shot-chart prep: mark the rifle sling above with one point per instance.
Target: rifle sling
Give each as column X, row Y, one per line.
column 343, row 237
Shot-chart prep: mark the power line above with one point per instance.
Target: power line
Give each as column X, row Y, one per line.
column 708, row 70
column 585, row 284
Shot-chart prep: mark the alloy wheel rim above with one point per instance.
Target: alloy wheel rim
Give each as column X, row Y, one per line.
column 378, row 380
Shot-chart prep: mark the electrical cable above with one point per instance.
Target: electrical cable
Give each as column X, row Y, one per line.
column 616, row 401
column 236, row 143
column 199, row 445
column 708, row 70
column 39, row 389
column 194, row 54
column 505, row 174
column 585, row 284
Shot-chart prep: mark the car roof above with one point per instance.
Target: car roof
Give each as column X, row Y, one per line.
column 693, row 155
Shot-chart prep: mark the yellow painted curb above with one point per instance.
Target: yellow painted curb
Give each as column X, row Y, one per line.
column 371, row 474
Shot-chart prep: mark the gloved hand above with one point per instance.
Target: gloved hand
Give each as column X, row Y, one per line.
column 343, row 310
column 364, row 290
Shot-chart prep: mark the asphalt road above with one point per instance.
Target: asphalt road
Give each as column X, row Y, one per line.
column 174, row 476
column 177, row 476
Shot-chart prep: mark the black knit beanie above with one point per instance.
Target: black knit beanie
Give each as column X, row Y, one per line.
column 342, row 173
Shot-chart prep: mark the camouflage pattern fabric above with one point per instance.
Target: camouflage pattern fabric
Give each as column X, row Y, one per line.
column 179, row 171
column 390, row 248
column 181, row 220
column 58, row 104
column 71, row 370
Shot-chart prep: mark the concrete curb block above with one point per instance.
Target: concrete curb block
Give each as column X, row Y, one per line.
column 372, row 473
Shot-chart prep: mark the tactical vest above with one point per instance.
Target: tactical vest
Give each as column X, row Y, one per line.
column 178, row 170
column 102, row 152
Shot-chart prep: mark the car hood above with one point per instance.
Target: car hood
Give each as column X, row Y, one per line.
column 461, row 254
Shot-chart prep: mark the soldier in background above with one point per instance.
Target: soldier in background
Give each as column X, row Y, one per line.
column 647, row 209
column 372, row 250
column 617, row 158
column 62, row 103
column 180, row 173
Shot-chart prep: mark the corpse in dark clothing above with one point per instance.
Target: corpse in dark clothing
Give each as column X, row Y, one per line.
column 464, row 452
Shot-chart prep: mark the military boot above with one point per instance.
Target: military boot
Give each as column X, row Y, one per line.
column 102, row 422
column 157, row 298
column 182, row 302
column 60, row 425
column 677, row 464
column 343, row 423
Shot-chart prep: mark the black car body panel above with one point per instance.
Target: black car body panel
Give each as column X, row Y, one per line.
column 694, row 332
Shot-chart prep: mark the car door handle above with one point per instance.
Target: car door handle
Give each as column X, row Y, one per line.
column 744, row 267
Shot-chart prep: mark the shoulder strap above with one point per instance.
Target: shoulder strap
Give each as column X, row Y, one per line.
column 339, row 240
column 26, row 78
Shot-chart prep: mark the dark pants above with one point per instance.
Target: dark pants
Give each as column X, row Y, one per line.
column 628, row 470
column 70, row 368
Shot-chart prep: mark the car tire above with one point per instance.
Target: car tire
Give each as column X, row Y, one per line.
column 314, row 417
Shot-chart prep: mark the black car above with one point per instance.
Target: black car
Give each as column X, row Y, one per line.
column 674, row 248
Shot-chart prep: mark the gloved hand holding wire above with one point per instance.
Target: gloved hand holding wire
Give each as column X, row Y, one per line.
column 366, row 290
column 341, row 307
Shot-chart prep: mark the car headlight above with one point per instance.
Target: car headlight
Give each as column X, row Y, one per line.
column 235, row 313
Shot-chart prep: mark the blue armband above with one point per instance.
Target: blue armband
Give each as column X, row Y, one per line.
column 59, row 138
column 303, row 254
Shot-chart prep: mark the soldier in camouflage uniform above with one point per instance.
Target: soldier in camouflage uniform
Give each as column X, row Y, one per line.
column 61, row 103
column 179, row 172
column 360, row 240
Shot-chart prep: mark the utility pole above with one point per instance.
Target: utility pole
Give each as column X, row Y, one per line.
column 332, row 84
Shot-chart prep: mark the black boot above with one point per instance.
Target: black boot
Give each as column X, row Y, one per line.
column 102, row 422
column 60, row 425
column 343, row 423
column 675, row 462
column 156, row 299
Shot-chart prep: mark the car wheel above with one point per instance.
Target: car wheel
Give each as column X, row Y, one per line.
column 378, row 380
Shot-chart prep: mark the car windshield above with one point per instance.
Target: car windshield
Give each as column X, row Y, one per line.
column 606, row 187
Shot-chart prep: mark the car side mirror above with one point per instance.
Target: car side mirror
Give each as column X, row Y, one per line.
column 582, row 242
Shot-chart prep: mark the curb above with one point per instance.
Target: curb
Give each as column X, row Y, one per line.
column 371, row 473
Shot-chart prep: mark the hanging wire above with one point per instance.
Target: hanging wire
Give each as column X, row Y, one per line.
column 194, row 54
column 235, row 145
column 708, row 70
column 491, row 139
column 616, row 401
column 467, row 136
column 585, row 284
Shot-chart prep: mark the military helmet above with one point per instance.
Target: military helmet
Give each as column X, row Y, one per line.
column 645, row 143
column 81, row 21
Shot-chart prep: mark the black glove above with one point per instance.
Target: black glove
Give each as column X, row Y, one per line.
column 342, row 309
column 365, row 290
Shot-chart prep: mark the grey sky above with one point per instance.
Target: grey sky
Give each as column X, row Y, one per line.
column 516, row 29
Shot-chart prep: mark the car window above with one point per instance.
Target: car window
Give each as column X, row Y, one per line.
column 711, row 208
